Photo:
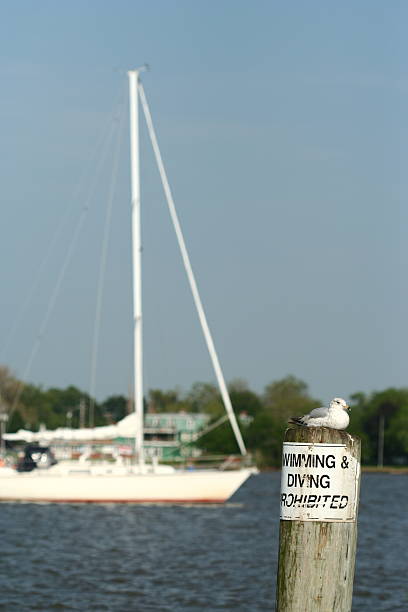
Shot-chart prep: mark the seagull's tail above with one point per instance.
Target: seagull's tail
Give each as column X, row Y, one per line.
column 296, row 421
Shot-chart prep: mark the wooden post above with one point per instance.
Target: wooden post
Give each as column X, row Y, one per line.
column 318, row 527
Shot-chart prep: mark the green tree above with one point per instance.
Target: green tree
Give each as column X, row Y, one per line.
column 264, row 439
column 33, row 407
column 281, row 399
column 115, row 407
column 219, row 441
column 288, row 397
column 15, row 422
column 396, row 438
column 205, row 397
column 61, row 408
column 9, row 386
column 166, row 401
column 391, row 405
column 244, row 400
column 358, row 402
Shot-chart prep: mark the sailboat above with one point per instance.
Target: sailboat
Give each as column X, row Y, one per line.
column 142, row 482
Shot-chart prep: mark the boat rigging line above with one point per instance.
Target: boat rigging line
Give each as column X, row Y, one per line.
column 103, row 261
column 24, row 306
column 67, row 260
column 189, row 271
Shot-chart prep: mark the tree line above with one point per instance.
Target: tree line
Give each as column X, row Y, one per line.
column 380, row 418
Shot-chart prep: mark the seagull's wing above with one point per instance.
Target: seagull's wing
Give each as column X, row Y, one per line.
column 318, row 413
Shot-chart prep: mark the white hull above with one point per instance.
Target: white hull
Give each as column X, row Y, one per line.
column 206, row 486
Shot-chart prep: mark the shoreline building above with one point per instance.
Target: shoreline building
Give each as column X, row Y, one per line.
column 167, row 437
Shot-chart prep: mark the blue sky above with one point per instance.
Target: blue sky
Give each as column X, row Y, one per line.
column 283, row 130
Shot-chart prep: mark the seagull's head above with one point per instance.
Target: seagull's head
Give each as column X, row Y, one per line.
column 339, row 403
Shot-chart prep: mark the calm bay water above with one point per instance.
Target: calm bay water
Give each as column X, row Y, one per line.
column 178, row 558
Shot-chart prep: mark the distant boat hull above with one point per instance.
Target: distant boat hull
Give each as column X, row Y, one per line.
column 206, row 486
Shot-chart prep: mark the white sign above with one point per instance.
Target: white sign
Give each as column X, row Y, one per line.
column 319, row 482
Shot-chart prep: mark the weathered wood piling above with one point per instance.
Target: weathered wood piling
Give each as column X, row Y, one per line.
column 318, row 527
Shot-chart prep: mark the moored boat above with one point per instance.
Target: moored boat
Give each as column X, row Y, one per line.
column 81, row 481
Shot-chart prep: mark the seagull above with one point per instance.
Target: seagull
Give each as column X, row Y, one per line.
column 335, row 416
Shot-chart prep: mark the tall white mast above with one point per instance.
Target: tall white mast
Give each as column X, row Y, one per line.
column 136, row 260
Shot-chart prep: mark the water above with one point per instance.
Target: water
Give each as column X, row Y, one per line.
column 176, row 558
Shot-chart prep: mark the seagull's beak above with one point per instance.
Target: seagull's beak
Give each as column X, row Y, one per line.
column 348, row 408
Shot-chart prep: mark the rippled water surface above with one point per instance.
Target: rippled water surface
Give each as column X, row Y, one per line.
column 178, row 558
